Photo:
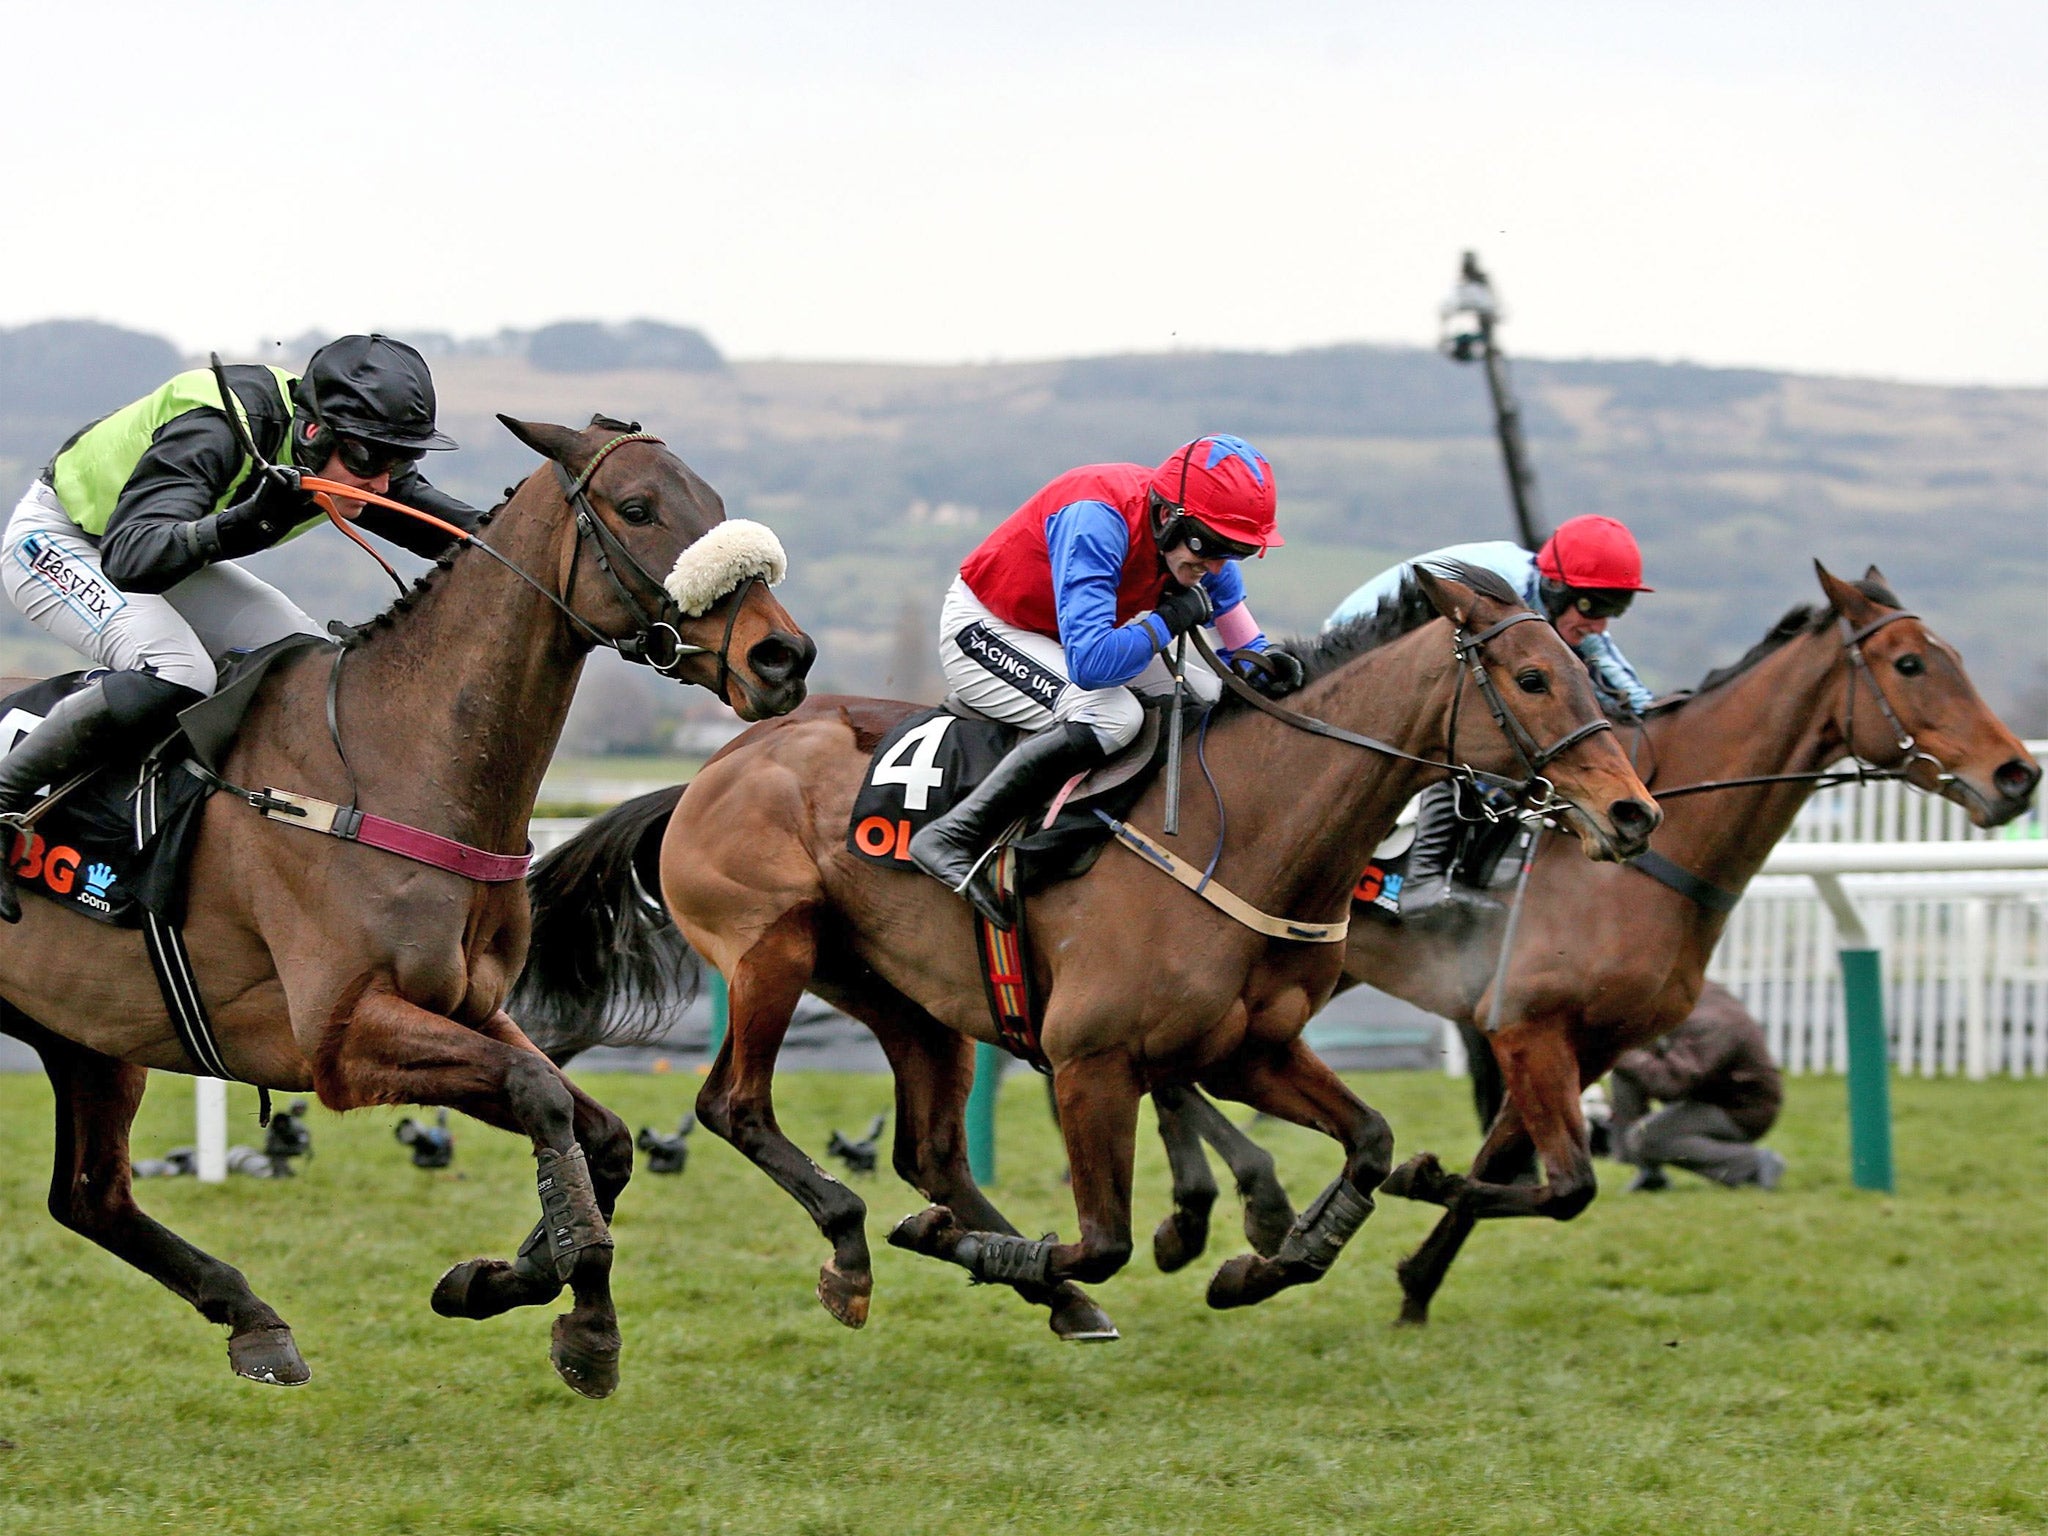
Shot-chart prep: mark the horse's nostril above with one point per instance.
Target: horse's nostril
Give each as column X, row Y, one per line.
column 782, row 658
column 1632, row 818
column 2017, row 779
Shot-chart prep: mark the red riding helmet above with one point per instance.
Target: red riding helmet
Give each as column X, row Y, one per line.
column 1593, row 553
column 1226, row 483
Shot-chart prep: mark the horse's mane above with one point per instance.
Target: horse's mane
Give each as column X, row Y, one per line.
column 1800, row 619
column 356, row 634
column 1400, row 613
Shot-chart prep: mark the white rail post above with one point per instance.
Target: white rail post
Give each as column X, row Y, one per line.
column 210, row 1105
column 1976, row 980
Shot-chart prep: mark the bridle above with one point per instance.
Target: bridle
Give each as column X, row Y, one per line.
column 1861, row 771
column 1532, row 795
column 658, row 641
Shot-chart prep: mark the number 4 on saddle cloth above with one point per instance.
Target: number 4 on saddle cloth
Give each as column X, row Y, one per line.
column 930, row 763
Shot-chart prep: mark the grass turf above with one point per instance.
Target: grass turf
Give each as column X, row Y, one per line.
column 1703, row 1361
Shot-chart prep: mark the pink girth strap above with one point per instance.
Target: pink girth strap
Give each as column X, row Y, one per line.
column 413, row 843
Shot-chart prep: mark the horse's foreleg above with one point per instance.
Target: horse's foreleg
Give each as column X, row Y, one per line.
column 1506, row 1150
column 1098, row 1103
column 390, row 1051
column 1542, row 1075
column 1183, row 1232
column 1268, row 1213
column 91, row 1194
column 934, row 1071
column 1293, row 1083
column 606, row 1142
column 1489, row 1089
column 738, row 1103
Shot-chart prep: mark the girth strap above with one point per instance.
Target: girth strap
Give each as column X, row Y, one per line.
column 1682, row 880
column 1220, row 897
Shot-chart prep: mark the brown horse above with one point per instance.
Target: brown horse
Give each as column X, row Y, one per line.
column 374, row 980
column 1144, row 982
column 1606, row 959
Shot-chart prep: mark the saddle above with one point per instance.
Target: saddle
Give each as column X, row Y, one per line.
column 931, row 762
column 115, row 848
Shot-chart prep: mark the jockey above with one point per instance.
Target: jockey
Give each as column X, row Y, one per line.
column 1074, row 602
column 119, row 547
column 1587, row 573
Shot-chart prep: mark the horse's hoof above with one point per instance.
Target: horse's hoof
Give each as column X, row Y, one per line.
column 1076, row 1319
column 1245, row 1281
column 1179, row 1240
column 586, row 1355
column 845, row 1295
column 480, row 1288
column 931, row 1232
column 268, row 1355
column 1414, row 1314
column 1415, row 1178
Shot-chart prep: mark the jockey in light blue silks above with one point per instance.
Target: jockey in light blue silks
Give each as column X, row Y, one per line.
column 1586, row 574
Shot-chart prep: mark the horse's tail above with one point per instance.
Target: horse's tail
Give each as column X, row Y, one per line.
column 606, row 965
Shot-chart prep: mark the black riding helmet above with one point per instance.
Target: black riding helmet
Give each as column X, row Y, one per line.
column 373, row 389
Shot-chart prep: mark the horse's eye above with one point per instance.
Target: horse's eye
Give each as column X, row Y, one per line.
column 1910, row 665
column 1532, row 681
column 637, row 512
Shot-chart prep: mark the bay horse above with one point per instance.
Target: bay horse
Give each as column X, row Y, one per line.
column 1144, row 982
column 370, row 979
column 1606, row 959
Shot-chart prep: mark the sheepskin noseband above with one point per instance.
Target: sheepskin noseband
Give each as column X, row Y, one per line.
column 732, row 552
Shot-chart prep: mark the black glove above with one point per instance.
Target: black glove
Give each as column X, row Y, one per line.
column 1184, row 608
column 1274, row 673
column 272, row 508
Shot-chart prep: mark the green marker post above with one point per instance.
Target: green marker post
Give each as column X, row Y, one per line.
column 721, row 1016
column 1870, row 1067
column 981, row 1112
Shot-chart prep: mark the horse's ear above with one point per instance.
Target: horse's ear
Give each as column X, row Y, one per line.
column 546, row 439
column 1843, row 596
column 1874, row 574
column 1448, row 595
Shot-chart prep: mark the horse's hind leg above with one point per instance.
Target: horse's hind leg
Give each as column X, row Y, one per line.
column 738, row 1104
column 934, row 1070
column 1183, row 1232
column 390, row 1051
column 1293, row 1083
column 90, row 1193
column 1268, row 1213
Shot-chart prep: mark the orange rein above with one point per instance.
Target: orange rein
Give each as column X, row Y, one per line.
column 325, row 492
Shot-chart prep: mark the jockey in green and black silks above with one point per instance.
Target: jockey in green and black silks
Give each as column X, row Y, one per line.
column 123, row 545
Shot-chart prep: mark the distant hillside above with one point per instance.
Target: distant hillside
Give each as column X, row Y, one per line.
column 880, row 477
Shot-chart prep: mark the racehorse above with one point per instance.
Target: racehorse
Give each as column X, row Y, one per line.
column 1143, row 982
column 372, row 979
column 1606, row 959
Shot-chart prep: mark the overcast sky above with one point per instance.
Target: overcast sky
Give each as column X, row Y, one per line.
column 1830, row 187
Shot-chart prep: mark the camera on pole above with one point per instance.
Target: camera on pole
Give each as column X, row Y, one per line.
column 1470, row 318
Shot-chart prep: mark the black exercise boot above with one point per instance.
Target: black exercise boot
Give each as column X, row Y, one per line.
column 82, row 730
column 1428, row 898
column 1035, row 768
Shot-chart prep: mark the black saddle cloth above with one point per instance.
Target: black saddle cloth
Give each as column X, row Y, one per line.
column 117, row 846
column 933, row 760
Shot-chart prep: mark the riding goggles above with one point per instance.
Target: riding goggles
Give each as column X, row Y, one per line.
column 1204, row 542
column 1602, row 602
column 367, row 460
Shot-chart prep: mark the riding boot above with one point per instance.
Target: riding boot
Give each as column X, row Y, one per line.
column 950, row 848
column 81, row 730
column 1428, row 898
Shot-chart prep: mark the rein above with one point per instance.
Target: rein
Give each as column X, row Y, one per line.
column 1534, row 758
column 1863, row 771
column 1465, row 648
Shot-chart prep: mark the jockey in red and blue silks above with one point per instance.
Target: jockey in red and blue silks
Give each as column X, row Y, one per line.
column 1066, row 613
